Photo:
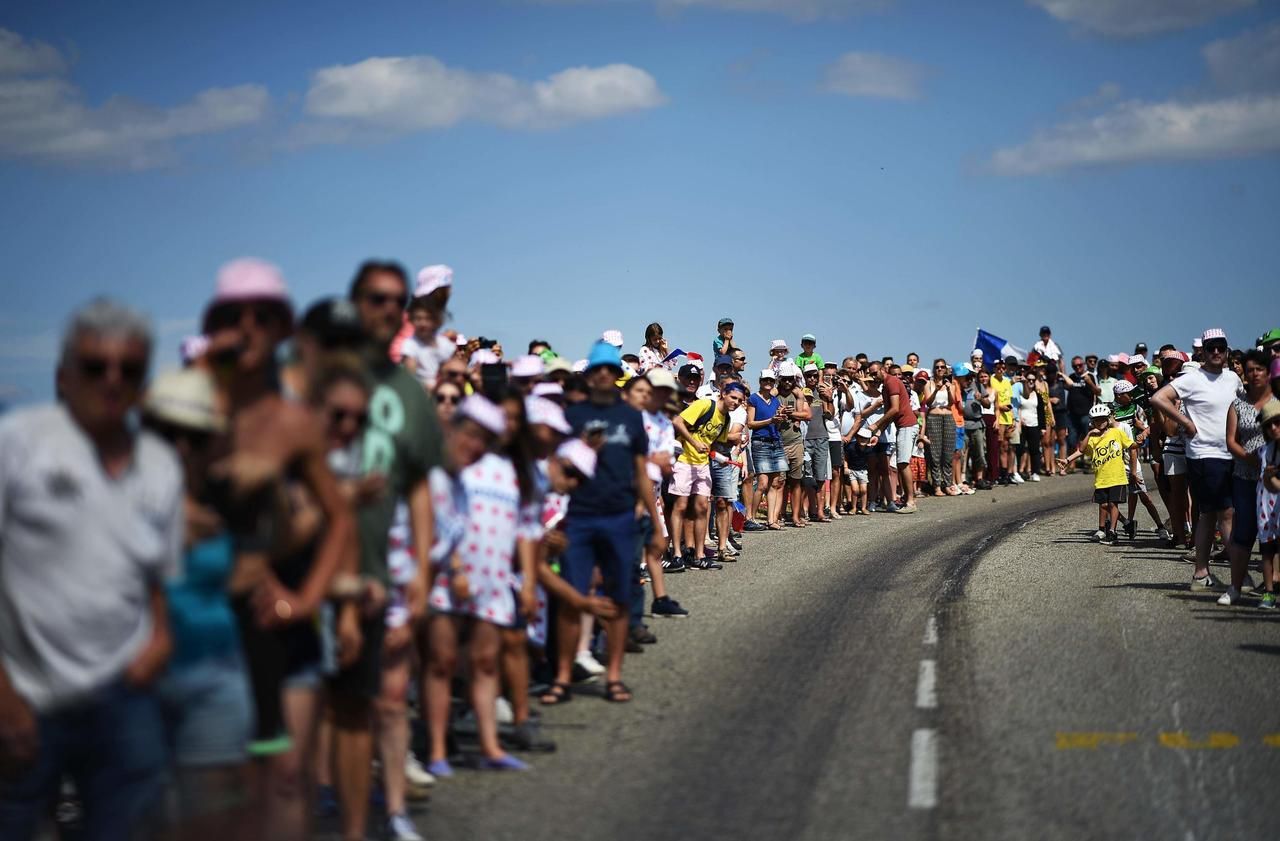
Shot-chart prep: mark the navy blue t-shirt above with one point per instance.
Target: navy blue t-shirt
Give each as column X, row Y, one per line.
column 765, row 410
column 613, row 490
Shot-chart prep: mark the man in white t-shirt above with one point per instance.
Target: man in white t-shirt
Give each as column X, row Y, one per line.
column 1046, row 347
column 1206, row 395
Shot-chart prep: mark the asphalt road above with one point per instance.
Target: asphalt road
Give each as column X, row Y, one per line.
column 977, row 670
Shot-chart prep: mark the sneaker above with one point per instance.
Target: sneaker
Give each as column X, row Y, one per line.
column 1017, row 479
column 872, row 508
column 729, row 552
column 672, row 565
column 1162, row 533
column 400, row 828
column 1109, row 539
column 415, row 774
column 1206, row 583
column 735, row 544
column 1230, row 597
column 327, row 802
column 1099, row 535
column 906, row 509
column 702, row 563
column 1035, row 477
column 440, row 769
column 1248, row 586
column 1004, row 480
column 728, row 556
column 588, row 664
column 1131, row 530
column 891, row 508
column 642, row 635
column 752, row 525
column 504, row 713
column 1268, row 601
column 668, row 607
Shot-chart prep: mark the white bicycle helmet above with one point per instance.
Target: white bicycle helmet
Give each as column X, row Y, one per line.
column 1100, row 410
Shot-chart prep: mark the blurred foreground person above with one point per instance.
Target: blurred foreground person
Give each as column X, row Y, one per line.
column 91, row 521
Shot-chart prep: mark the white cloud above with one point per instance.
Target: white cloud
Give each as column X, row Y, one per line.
column 1140, row 131
column 1248, row 62
column 420, row 93
column 874, row 75
column 1134, row 18
column 44, row 116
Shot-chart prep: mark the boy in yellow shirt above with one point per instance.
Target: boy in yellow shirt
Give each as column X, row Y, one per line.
column 1108, row 446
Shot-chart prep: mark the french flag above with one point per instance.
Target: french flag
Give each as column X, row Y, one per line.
column 993, row 348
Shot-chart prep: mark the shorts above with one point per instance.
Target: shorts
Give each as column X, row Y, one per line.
column 1210, row 481
column 1139, row 485
column 906, row 443
column 1175, row 464
column 1244, row 497
column 607, row 541
column 724, row 481
column 795, row 460
column 860, row 477
column 1115, row 494
column 977, row 439
column 767, row 456
column 818, row 465
column 1015, row 434
column 960, row 439
column 691, row 479
column 837, row 456
column 208, row 711
column 363, row 678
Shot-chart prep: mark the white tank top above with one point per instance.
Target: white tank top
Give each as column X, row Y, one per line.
column 942, row 397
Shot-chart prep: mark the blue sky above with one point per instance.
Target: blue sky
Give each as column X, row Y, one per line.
column 888, row 175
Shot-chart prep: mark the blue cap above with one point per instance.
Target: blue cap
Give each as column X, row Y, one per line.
column 961, row 369
column 603, row 353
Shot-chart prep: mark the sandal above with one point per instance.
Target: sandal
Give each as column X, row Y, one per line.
column 616, row 692
column 559, row 693
column 774, row 527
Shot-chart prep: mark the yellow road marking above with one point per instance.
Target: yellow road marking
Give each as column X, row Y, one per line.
column 1272, row 740
column 1181, row 740
column 1087, row 740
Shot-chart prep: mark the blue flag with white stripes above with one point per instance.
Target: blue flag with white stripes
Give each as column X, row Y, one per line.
column 993, row 347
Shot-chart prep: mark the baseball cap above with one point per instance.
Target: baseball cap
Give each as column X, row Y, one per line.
column 333, row 321
column 922, row 374
column 483, row 411
column 778, row 344
column 1137, row 360
column 579, row 366
column 976, row 354
column 1174, row 354
column 460, row 341
column 527, row 366
column 543, row 412
column 809, row 337
column 1123, row 387
column 604, row 353
column 1011, row 360
column 832, row 365
column 689, row 370
column 1151, row 369
column 431, row 278
column 961, row 369
column 579, row 453
column 558, row 363
column 613, row 337
column 811, row 367
column 1044, row 328
column 789, row 370
column 661, row 378
column 1197, row 342
column 548, row 390
column 184, row 398
column 1270, row 337
column 1140, row 349
column 767, row 374
column 483, row 356
column 1213, row 333
column 722, row 362
column 249, row 279
column 725, row 322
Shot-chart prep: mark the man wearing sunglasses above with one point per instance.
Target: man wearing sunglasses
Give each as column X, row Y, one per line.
column 91, row 522
column 1206, row 394
column 1083, row 390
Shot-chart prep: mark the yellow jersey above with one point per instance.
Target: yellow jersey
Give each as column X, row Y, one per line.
column 1109, row 453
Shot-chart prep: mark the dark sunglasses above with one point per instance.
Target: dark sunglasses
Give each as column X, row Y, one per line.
column 174, row 434
column 132, row 371
column 1077, row 364
column 571, row 472
column 338, row 415
column 381, row 299
column 1216, row 347
column 1271, row 421
column 449, row 399
column 232, row 315
column 453, row 375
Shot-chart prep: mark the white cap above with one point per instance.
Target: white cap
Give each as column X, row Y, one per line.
column 528, row 366
column 484, row 356
column 461, row 341
column 613, row 337
column 1213, row 333
column 580, row 366
column 778, row 344
column 811, row 367
column 977, row 354
column 1123, row 387
column 1197, row 342
column 432, row 278
column 543, row 412
column 578, row 453
column 484, row 412
column 661, row 378
column 1138, row 360
column 788, row 370
column 767, row 374
column 547, row 389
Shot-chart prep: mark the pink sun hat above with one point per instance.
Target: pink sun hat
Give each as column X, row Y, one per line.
column 250, row 279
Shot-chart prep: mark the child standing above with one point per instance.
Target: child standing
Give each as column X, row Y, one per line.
column 1107, row 445
column 1131, row 417
column 856, row 453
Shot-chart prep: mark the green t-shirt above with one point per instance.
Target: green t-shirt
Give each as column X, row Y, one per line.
column 402, row 443
column 815, row 358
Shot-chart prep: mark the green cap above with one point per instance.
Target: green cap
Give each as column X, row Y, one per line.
column 1271, row 336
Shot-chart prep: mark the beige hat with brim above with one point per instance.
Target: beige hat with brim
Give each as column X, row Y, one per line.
column 184, row 398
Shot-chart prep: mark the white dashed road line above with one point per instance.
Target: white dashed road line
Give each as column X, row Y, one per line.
column 926, row 686
column 931, row 631
column 922, row 791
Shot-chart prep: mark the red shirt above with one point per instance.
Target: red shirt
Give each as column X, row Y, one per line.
column 892, row 386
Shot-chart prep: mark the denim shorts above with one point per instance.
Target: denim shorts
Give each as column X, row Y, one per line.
column 767, row 456
column 906, row 445
column 818, row 464
column 1210, row 481
column 208, row 711
column 860, row 476
column 724, row 481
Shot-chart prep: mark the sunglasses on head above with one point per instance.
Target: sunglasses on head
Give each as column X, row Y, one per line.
column 339, row 415
column 132, row 371
column 232, row 315
column 381, row 299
